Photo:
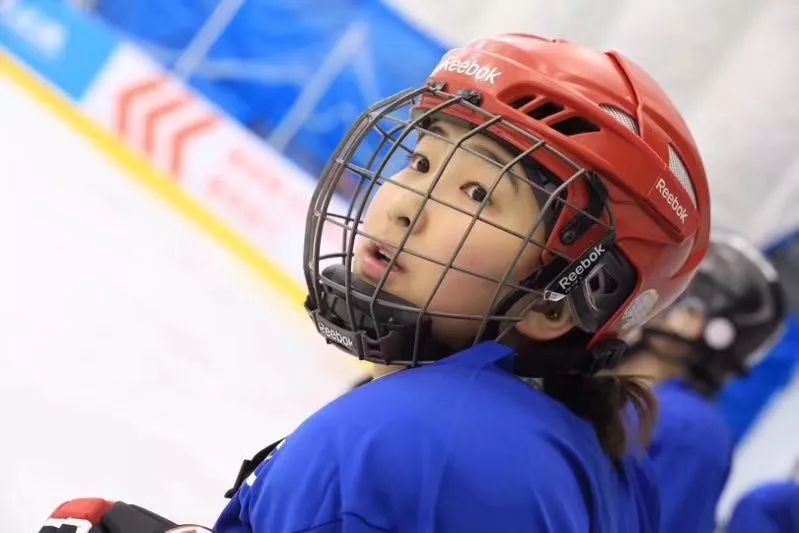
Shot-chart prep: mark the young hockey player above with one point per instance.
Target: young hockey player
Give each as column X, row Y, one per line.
column 551, row 196
column 507, row 221
column 723, row 324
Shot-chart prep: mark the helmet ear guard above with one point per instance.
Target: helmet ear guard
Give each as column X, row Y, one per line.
column 597, row 283
column 605, row 288
column 591, row 301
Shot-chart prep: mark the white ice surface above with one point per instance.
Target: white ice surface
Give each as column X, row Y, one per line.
column 139, row 360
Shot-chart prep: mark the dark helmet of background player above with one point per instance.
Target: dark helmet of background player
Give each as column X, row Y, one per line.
column 742, row 306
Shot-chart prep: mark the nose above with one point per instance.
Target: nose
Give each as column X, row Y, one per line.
column 405, row 207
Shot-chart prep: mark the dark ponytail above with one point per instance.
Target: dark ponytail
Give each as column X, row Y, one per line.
column 609, row 403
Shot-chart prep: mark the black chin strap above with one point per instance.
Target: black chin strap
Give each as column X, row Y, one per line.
column 646, row 345
column 567, row 354
column 248, row 466
column 695, row 362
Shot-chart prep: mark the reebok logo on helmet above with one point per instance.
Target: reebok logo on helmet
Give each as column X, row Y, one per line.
column 577, row 271
column 671, row 200
column 471, row 68
column 335, row 336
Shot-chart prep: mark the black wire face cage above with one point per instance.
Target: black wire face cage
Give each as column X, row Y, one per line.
column 367, row 320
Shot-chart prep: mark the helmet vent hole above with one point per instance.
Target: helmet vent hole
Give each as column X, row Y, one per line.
column 545, row 110
column 677, row 168
column 521, row 102
column 575, row 126
column 602, row 283
column 623, row 118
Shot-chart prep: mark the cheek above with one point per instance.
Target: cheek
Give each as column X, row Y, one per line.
column 490, row 251
column 463, row 293
column 487, row 252
column 376, row 209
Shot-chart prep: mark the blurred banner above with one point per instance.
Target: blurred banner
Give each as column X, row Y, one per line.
column 245, row 193
column 61, row 45
column 297, row 73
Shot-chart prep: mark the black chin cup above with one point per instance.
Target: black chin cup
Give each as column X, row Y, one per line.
column 381, row 329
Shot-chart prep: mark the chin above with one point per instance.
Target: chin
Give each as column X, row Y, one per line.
column 456, row 334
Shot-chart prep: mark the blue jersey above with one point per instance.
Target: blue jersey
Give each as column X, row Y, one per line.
column 772, row 508
column 691, row 453
column 461, row 445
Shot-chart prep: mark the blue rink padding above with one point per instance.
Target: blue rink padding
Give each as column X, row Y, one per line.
column 745, row 399
column 336, row 58
column 60, row 44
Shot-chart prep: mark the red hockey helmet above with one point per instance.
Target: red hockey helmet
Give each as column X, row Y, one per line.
column 624, row 194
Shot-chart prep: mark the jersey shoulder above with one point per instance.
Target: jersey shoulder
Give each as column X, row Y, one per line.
column 688, row 419
column 441, row 446
column 447, row 406
column 443, row 436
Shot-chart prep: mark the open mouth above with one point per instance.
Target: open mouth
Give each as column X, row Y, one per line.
column 376, row 260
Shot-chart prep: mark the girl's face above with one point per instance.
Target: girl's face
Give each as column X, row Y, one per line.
column 487, row 251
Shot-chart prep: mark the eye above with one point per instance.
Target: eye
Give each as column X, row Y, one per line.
column 419, row 163
column 476, row 192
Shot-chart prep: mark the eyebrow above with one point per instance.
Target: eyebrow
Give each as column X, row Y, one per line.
column 486, row 152
column 490, row 154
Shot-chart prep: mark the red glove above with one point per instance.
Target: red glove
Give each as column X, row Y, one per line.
column 95, row 515
column 83, row 515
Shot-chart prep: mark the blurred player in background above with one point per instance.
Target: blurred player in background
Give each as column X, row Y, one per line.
column 723, row 324
column 510, row 218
